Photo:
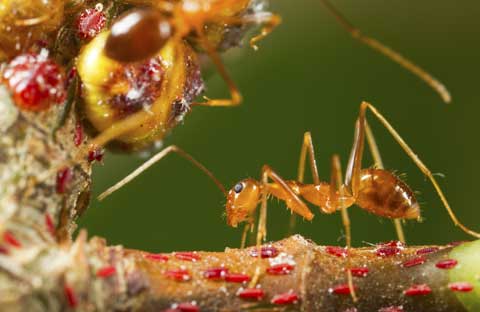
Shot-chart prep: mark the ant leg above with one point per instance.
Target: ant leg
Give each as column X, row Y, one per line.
column 337, row 196
column 269, row 21
column 396, row 57
column 244, row 235
column 361, row 120
column 236, row 97
column 288, row 195
column 307, row 146
column 155, row 159
column 379, row 164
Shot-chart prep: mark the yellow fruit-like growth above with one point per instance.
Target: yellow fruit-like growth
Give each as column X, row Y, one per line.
column 155, row 92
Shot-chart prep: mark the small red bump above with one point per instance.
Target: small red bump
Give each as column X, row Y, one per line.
column 446, row 264
column 156, row 257
column 72, row 73
column 187, row 256
column 418, row 290
column 414, row 262
column 96, row 154
column 237, row 278
column 106, row 271
column 90, row 22
column 3, row 250
column 393, row 243
column 336, row 251
column 285, row 298
column 187, row 307
column 266, row 252
column 251, row 293
column 461, row 286
column 360, row 271
column 280, row 269
column 49, row 224
column 342, row 289
column 427, row 250
column 78, row 136
column 180, row 275
column 391, row 309
column 10, row 239
column 215, row 273
column 388, row 251
column 64, row 177
column 70, row 296
column 35, row 81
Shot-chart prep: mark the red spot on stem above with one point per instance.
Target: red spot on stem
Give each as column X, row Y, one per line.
column 185, row 307
column 461, row 286
column 251, row 293
column 418, row 290
column 342, row 289
column 187, row 256
column 285, row 298
column 387, row 251
column 446, row 264
column 236, row 278
column 78, row 136
column 95, row 154
column 391, row 309
column 265, row 252
column 3, row 250
column 180, row 275
column 11, row 240
column 64, row 177
column 215, row 273
column 360, row 271
column 156, row 257
column 414, row 262
column 427, row 250
column 49, row 224
column 106, row 271
column 70, row 296
column 280, row 269
column 336, row 251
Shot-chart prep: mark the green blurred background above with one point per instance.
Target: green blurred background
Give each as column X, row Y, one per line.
column 310, row 75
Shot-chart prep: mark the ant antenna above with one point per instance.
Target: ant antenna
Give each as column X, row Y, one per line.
column 376, row 45
column 155, row 159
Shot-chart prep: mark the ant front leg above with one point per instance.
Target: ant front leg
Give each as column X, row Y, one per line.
column 157, row 157
column 307, row 146
column 268, row 20
column 281, row 190
column 236, row 97
column 337, row 197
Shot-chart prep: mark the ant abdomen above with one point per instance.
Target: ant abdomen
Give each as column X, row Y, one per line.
column 384, row 194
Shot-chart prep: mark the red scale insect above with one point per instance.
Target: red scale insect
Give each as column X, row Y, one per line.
column 265, row 252
column 446, row 264
column 251, row 293
column 11, row 240
column 184, row 307
column 285, row 298
column 427, row 250
column 215, row 273
column 156, row 257
column 342, row 289
column 187, row 256
column 90, row 23
column 418, row 290
column 360, row 271
column 280, row 269
column 70, row 296
column 49, row 224
column 35, row 81
column 414, row 262
column 179, row 275
column 237, row 278
column 106, row 271
column 64, row 177
column 461, row 286
column 336, row 251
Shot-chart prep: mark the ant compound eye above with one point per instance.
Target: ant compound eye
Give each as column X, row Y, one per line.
column 238, row 187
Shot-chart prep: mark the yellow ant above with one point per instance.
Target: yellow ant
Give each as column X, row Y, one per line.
column 375, row 190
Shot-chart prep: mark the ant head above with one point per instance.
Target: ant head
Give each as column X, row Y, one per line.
column 242, row 200
column 137, row 35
